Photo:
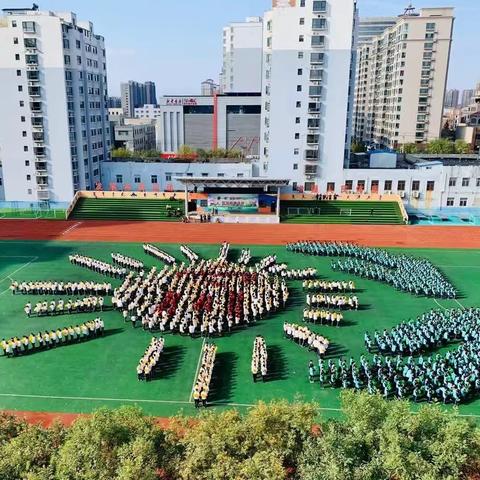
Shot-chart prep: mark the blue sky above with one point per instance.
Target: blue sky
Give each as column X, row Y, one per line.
column 177, row 44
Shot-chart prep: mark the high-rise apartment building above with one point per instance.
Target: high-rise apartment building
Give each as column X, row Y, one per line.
column 307, row 86
column 150, row 93
column 54, row 130
column 467, row 97
column 370, row 27
column 401, row 77
column 135, row 94
column 209, row 87
column 242, row 56
column 451, row 98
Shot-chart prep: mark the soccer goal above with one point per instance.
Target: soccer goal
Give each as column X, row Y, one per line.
column 345, row 212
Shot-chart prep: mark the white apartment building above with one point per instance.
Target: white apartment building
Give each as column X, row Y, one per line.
column 401, row 78
column 242, row 56
column 149, row 111
column 54, row 130
column 307, row 91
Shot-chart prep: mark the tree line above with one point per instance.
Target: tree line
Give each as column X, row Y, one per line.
column 372, row 439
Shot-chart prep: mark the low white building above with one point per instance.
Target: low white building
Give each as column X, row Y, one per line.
column 426, row 183
column 151, row 112
column 161, row 176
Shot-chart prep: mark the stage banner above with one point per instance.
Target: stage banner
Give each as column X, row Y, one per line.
column 233, row 203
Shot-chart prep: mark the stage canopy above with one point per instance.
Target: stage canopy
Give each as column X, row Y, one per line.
column 233, row 182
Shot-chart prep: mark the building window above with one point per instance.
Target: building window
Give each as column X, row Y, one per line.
column 301, row 38
column 20, row 88
column 415, row 185
column 450, row 201
column 155, row 180
column 28, row 27
column 465, row 182
column 295, row 166
column 401, row 185
column 388, row 185
column 299, row 88
column 300, row 55
column 25, row 148
column 463, row 202
column 302, row 21
column 22, row 118
column 478, row 182
column 27, row 163
column 19, row 73
column 430, row 185
column 24, row 133
column 297, row 136
column 17, row 56
column 309, row 186
column 299, row 104
column 296, row 151
column 239, row 175
column 320, row 6
column 297, row 119
column 452, row 182
column 300, row 71
column 119, row 178
column 136, row 179
column 302, row 3
column 29, row 177
column 430, row 27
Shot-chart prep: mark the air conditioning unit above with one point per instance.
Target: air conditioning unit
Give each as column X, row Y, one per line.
column 416, row 194
column 402, row 194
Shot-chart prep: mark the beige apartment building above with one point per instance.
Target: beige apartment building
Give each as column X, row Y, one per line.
column 401, row 76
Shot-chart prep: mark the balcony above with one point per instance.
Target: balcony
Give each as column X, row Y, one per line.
column 37, row 124
column 315, row 91
column 43, row 195
column 31, row 60
column 36, row 107
column 40, row 166
column 38, row 137
column 312, row 155
column 317, row 58
column 34, row 91
column 312, row 139
column 316, row 75
column 39, row 152
column 311, row 169
column 41, row 174
column 319, row 6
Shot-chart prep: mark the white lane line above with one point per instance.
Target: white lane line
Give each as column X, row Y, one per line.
column 196, row 371
column 19, row 268
column 100, row 399
column 459, row 304
column 441, row 306
column 69, row 229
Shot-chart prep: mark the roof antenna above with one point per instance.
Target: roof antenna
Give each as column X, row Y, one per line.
column 34, row 7
column 410, row 11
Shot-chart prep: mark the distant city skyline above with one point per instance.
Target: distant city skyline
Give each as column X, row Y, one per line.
column 179, row 44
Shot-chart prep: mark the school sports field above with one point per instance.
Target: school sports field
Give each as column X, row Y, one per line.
column 101, row 372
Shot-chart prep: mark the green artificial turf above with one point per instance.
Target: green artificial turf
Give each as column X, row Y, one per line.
column 101, row 372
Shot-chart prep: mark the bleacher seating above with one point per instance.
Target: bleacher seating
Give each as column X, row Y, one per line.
column 127, row 209
column 339, row 211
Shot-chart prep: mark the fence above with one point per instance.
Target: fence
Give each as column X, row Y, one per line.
column 35, row 210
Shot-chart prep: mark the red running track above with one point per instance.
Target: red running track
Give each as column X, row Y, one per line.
column 243, row 234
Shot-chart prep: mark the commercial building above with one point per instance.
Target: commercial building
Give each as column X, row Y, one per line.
column 135, row 134
column 370, row 27
column 401, row 78
column 209, row 87
column 54, row 130
column 161, row 176
column 135, row 94
column 242, row 56
column 307, row 91
column 452, row 98
column 230, row 121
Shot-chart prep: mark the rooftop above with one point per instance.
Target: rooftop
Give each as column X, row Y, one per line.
column 233, row 182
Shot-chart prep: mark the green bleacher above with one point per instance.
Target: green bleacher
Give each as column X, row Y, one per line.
column 127, row 209
column 342, row 212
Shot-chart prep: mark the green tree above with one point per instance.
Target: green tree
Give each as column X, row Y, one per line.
column 185, row 150
column 227, row 445
column 410, row 148
column 441, row 145
column 386, row 440
column 462, row 147
column 358, row 147
column 29, row 454
column 111, row 444
column 121, row 153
